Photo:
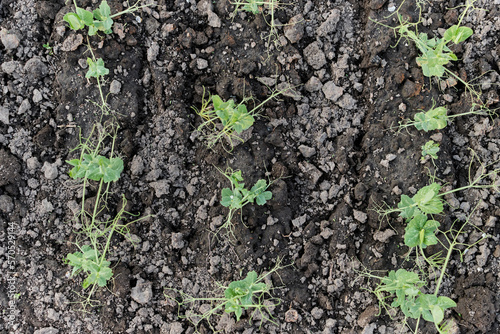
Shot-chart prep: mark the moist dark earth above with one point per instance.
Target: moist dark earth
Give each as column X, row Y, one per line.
column 331, row 148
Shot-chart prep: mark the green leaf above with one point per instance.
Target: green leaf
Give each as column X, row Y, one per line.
column 262, row 198
column 432, row 63
column 227, row 197
column 112, row 169
column 457, row 34
column 421, row 232
column 92, row 31
column 107, row 24
column 434, row 119
column 96, row 69
column 407, row 206
column 74, row 21
column 251, row 6
column 430, row 148
column 242, row 119
column 105, row 9
column 104, row 274
column 428, row 199
column 86, row 16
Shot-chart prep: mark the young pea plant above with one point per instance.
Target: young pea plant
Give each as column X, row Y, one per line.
column 404, row 287
column 431, row 149
column 251, row 294
column 98, row 20
column 428, row 200
column 96, row 231
column 436, row 118
column 226, row 120
column 435, row 52
column 236, row 197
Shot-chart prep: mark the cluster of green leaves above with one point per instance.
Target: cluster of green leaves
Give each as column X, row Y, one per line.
column 430, row 148
column 404, row 287
column 96, row 68
column 427, row 201
column 91, row 262
column 435, row 51
column 433, row 119
column 96, row 167
column 96, row 227
column 251, row 294
column 236, row 197
column 252, row 6
column 240, row 294
column 98, row 20
column 223, row 120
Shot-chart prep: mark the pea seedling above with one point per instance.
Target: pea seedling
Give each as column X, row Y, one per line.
column 91, row 257
column 431, row 149
column 435, row 52
column 236, row 197
column 252, row 294
column 436, row 118
column 404, row 287
column 226, row 119
column 98, row 20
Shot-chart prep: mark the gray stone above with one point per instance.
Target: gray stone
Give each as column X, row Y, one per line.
column 330, row 24
column 35, row 69
column 201, row 63
column 310, row 172
column 10, row 41
column 6, row 204
column 46, row 330
column 213, row 20
column 24, row 107
column 332, row 91
column 72, row 42
column 10, row 67
column 137, row 165
column 4, row 115
column 37, row 96
column 307, row 151
column 142, row 292
column 115, row 87
column 177, row 240
column 153, row 51
column 360, row 216
column 347, row 102
column 314, row 55
column 313, row 84
column 383, row 236
column 294, row 30
column 161, row 187
column 49, row 171
column 205, row 6
column 32, row 163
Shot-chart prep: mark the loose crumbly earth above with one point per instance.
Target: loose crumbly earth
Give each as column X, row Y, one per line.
column 331, row 149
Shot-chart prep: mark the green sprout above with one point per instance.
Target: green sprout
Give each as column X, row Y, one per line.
column 405, row 287
column 435, row 53
column 98, row 20
column 97, row 229
column 252, row 294
column 430, row 148
column 236, row 197
column 436, row 118
column 226, row 119
column 88, row 261
column 96, row 69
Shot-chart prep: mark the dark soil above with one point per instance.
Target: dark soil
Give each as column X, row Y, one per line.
column 332, row 151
